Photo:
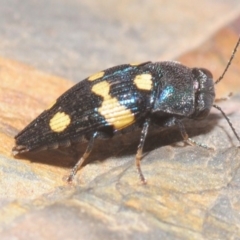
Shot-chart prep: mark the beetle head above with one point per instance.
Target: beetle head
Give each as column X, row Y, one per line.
column 204, row 92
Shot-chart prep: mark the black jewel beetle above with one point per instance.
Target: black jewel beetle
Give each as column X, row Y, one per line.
column 120, row 99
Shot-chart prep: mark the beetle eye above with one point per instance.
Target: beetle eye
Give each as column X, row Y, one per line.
column 207, row 72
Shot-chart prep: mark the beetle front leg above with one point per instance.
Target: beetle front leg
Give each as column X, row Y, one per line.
column 187, row 139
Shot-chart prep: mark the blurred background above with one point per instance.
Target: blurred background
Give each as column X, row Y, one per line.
column 75, row 38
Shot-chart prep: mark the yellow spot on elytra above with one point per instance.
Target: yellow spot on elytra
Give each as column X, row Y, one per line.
column 102, row 89
column 113, row 112
column 143, row 81
column 96, row 76
column 51, row 105
column 135, row 64
column 59, row 122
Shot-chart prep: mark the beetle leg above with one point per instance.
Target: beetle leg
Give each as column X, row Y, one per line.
column 80, row 162
column 140, row 150
column 187, row 139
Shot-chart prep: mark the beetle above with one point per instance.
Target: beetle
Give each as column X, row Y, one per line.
column 121, row 99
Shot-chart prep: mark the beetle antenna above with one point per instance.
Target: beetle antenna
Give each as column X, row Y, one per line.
column 228, row 120
column 229, row 62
